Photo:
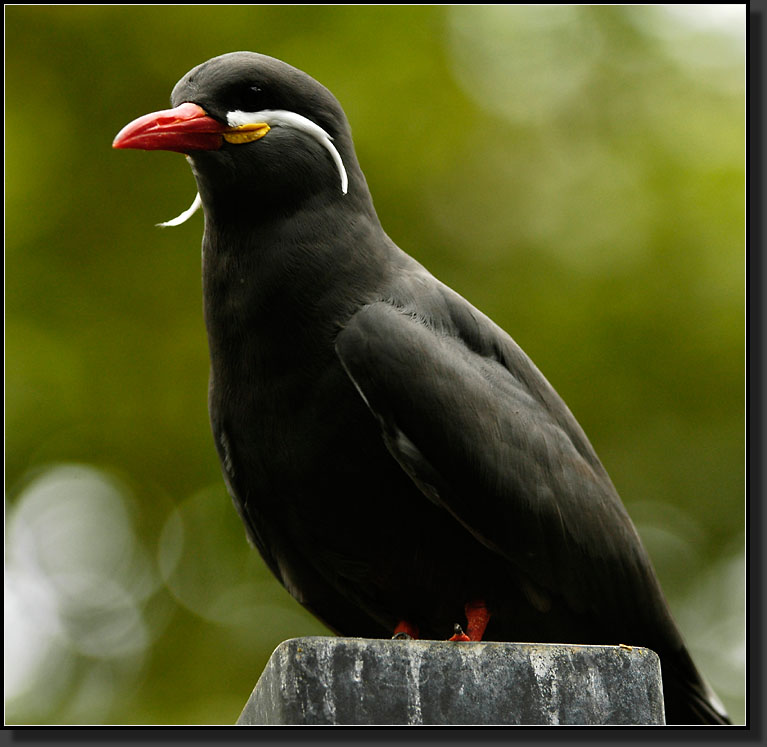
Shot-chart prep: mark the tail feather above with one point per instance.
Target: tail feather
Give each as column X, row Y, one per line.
column 689, row 699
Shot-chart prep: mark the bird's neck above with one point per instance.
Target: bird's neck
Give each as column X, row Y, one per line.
column 276, row 287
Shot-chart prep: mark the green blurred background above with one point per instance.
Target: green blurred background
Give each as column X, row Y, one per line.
column 577, row 172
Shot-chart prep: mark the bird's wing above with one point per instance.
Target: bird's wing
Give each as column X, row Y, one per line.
column 482, row 433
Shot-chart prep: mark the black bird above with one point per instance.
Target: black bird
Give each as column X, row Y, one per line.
column 396, row 458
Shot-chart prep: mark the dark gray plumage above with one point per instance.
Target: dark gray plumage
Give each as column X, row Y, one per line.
column 392, row 452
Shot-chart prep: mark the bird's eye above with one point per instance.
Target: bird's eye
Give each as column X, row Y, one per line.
column 253, row 93
column 246, row 97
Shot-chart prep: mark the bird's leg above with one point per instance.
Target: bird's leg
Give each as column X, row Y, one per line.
column 478, row 617
column 405, row 630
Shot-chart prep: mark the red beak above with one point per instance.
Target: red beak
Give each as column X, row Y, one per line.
column 183, row 129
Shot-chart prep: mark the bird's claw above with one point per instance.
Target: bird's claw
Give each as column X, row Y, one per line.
column 458, row 634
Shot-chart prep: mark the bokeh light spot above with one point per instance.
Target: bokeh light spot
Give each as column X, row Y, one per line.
column 76, row 578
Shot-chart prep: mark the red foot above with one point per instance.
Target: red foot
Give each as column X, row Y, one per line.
column 459, row 635
column 407, row 628
column 478, row 616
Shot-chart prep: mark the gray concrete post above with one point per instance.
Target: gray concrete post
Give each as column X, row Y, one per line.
column 359, row 681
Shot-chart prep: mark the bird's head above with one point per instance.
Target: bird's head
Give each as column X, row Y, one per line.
column 259, row 134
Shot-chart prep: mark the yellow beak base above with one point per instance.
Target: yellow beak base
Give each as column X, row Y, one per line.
column 246, row 133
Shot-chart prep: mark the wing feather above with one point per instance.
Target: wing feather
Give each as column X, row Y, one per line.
column 481, row 432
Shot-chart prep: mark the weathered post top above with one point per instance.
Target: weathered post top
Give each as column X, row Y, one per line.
column 360, row 681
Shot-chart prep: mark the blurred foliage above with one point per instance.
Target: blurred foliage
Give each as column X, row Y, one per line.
column 577, row 172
